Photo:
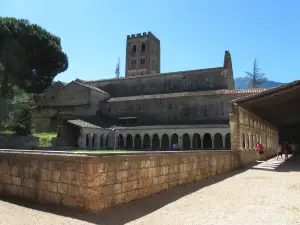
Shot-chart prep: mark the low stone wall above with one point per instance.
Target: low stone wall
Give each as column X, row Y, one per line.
column 98, row 181
column 250, row 157
column 11, row 141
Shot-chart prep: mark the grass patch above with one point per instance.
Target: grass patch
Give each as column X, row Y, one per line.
column 45, row 139
column 7, row 132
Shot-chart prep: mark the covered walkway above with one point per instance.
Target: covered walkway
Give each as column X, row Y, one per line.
column 266, row 193
column 278, row 106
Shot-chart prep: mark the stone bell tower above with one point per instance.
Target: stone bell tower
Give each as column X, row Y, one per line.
column 142, row 55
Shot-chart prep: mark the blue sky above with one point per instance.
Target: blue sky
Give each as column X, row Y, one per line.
column 194, row 34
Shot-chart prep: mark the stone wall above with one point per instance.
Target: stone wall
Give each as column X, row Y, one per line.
column 194, row 80
column 95, row 182
column 246, row 129
column 173, row 110
column 8, row 141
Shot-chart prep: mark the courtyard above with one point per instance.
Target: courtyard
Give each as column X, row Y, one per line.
column 264, row 193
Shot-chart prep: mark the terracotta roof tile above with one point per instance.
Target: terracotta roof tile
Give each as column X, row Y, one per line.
column 91, row 87
column 81, row 123
column 187, row 94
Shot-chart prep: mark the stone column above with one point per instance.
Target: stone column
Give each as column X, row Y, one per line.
column 90, row 141
column 125, row 139
column 180, row 141
column 142, row 141
column 223, row 139
column 213, row 142
column 133, row 141
column 81, row 144
column 150, row 141
column 98, row 137
column 201, row 137
column 104, row 141
column 160, row 141
column 250, row 141
column 234, row 126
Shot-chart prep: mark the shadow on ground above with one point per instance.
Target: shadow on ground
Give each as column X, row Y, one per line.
column 279, row 165
column 139, row 208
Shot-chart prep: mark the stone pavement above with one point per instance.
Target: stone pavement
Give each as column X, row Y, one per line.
column 266, row 193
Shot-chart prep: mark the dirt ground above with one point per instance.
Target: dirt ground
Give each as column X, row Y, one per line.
column 267, row 193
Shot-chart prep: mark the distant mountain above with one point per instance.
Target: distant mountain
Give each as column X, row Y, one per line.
column 241, row 82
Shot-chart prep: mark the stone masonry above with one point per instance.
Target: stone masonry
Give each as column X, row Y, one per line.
column 95, row 182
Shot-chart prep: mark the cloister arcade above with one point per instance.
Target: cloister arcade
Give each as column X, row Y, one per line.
column 164, row 139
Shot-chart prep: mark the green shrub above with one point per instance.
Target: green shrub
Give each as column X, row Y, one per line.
column 45, row 139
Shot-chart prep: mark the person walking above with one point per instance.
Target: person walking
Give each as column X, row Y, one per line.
column 260, row 149
column 286, row 150
column 279, row 151
column 294, row 147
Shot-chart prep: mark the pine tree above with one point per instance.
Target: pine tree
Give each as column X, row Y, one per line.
column 117, row 71
column 256, row 78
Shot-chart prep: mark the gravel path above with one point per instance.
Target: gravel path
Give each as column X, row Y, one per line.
column 268, row 193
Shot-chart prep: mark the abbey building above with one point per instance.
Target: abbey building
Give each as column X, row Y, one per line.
column 145, row 109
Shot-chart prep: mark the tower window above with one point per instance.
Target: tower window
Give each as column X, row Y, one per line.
column 205, row 110
column 170, row 106
column 108, row 109
column 143, row 48
column 133, row 63
column 133, row 49
column 143, row 61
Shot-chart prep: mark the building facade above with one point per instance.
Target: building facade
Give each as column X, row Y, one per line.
column 145, row 109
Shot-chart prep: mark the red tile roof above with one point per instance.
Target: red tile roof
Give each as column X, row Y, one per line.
column 188, row 94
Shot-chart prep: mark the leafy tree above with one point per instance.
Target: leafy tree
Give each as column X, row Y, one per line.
column 117, row 71
column 256, row 78
column 17, row 118
column 37, row 53
column 30, row 57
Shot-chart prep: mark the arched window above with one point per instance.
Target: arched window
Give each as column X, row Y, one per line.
column 133, row 49
column 143, row 47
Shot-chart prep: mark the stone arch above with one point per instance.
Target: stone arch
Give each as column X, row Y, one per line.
column 137, row 142
column 248, row 142
column 227, row 141
column 207, row 141
column 87, row 141
column 94, row 141
column 244, row 141
column 165, row 143
column 121, row 141
column 186, row 141
column 174, row 140
column 146, row 141
column 196, row 141
column 129, row 141
column 218, row 141
column 155, row 141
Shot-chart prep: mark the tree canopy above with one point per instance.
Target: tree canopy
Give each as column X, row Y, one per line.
column 256, row 78
column 30, row 57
